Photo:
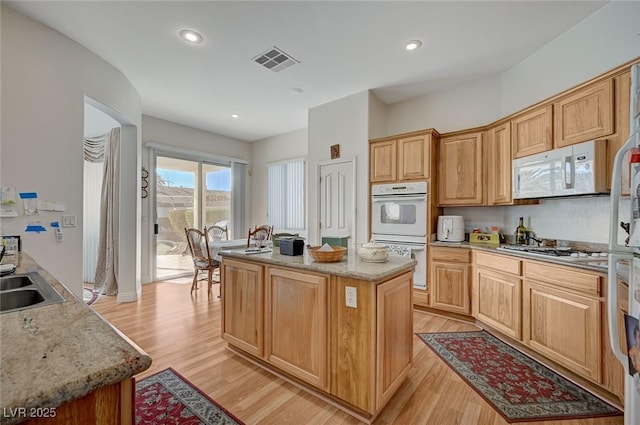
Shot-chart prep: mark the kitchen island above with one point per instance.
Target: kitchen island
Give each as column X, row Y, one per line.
column 342, row 331
column 63, row 363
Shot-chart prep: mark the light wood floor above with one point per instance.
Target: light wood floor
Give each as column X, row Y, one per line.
column 183, row 332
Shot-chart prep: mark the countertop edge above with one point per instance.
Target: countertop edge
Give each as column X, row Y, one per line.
column 350, row 266
column 24, row 388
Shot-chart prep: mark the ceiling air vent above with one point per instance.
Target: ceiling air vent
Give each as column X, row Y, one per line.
column 275, row 59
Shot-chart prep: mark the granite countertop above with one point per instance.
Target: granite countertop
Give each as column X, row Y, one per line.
column 60, row 352
column 349, row 266
column 598, row 266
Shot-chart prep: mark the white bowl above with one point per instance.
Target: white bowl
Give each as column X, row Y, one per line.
column 373, row 252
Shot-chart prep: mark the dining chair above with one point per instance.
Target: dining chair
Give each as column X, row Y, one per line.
column 199, row 246
column 217, row 233
column 259, row 233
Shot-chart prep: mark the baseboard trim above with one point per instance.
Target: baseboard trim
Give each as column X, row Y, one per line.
column 127, row 297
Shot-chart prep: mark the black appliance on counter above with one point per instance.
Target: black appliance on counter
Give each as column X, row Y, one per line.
column 291, row 246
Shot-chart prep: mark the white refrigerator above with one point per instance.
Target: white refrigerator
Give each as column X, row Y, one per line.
column 625, row 256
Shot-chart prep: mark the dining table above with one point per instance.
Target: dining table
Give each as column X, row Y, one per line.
column 215, row 246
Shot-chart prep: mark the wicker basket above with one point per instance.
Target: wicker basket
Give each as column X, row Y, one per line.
column 327, row 256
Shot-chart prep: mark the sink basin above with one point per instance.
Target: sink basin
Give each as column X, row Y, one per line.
column 19, row 299
column 28, row 290
column 14, row 282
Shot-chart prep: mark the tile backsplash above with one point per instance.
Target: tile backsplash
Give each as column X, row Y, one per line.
column 583, row 219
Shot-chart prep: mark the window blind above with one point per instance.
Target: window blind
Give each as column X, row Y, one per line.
column 285, row 195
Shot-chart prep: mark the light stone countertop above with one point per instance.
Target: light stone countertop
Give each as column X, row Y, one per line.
column 57, row 353
column 597, row 266
column 349, row 266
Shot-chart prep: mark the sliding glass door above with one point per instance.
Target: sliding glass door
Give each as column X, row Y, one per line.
column 189, row 193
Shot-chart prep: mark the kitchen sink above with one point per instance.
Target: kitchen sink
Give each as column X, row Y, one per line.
column 28, row 290
column 14, row 282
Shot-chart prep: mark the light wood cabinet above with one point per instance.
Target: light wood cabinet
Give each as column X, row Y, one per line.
column 402, row 159
column 584, row 115
column 296, row 317
column 497, row 292
column 111, row 405
column 562, row 318
column 460, row 172
column 382, row 161
column 531, row 132
column 613, row 373
column 449, row 279
column 242, row 290
column 394, row 345
column 296, row 323
column 622, row 87
column 499, row 168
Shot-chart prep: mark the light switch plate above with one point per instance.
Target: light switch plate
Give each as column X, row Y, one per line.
column 68, row 221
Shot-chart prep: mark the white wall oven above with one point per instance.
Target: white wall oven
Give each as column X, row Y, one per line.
column 399, row 209
column 399, row 221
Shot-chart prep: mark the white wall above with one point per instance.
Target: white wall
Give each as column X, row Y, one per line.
column 45, row 78
column 285, row 146
column 602, row 42
column 344, row 122
column 172, row 134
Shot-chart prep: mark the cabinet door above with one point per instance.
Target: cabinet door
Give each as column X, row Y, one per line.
column 497, row 301
column 450, row 287
column 382, row 161
column 394, row 345
column 584, row 115
column 532, row 132
column 460, row 170
column 622, row 84
column 613, row 373
column 564, row 327
column 499, row 165
column 296, row 323
column 413, row 154
column 243, row 306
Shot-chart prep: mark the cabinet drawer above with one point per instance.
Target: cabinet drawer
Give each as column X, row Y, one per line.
column 501, row 263
column 586, row 283
column 456, row 255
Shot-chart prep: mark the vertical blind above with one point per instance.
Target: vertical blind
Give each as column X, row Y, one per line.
column 285, row 195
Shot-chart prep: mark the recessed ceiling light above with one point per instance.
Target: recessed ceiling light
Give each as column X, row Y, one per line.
column 413, row 45
column 191, row 36
column 235, row 116
column 296, row 90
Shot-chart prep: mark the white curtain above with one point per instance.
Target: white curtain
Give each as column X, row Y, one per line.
column 107, row 266
column 93, row 173
column 238, row 194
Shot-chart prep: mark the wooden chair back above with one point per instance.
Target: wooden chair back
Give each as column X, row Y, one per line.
column 259, row 233
column 199, row 246
column 218, row 233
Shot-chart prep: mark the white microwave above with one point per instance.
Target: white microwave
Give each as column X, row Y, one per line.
column 578, row 169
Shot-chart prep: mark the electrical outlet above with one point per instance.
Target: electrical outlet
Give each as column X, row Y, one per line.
column 68, row 221
column 351, row 297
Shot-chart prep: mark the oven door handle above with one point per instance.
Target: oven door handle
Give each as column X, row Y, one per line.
column 400, row 199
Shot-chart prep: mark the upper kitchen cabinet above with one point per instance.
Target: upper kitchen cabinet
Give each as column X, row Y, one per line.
column 399, row 159
column 382, row 161
column 460, row 170
column 622, row 87
column 532, row 131
column 584, row 115
column 499, row 164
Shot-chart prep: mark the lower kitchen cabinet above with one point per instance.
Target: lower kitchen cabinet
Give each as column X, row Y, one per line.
column 450, row 272
column 497, row 292
column 562, row 317
column 613, row 373
column 297, row 302
column 243, row 306
column 297, row 324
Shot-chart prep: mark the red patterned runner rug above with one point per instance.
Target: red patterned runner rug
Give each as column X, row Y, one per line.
column 169, row 398
column 517, row 386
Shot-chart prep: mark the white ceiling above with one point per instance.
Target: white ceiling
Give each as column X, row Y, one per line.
column 343, row 48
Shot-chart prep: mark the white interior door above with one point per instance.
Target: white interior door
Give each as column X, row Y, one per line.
column 337, row 199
